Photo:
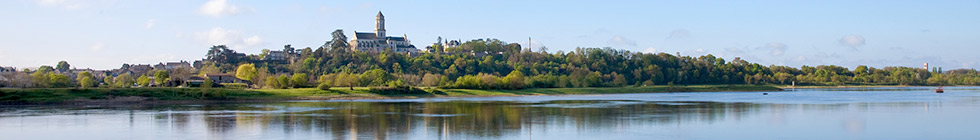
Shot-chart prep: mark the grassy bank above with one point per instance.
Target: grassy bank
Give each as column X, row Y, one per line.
column 136, row 95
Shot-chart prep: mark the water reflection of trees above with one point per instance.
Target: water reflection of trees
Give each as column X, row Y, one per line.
column 455, row 120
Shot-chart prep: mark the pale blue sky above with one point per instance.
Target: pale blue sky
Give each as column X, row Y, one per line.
column 103, row 34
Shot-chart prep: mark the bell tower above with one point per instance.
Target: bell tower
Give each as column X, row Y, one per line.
column 379, row 25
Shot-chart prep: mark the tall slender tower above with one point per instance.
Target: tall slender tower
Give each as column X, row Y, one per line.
column 379, row 25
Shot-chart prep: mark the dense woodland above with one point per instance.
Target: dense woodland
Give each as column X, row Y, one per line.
column 494, row 64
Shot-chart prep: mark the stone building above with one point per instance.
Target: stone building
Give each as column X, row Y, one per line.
column 378, row 41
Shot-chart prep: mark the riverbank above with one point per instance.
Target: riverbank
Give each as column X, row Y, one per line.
column 854, row 86
column 41, row 96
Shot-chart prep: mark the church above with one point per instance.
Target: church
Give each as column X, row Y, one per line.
column 377, row 41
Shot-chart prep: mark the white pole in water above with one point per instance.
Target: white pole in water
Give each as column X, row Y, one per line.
column 794, row 86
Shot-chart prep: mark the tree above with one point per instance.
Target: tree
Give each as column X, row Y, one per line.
column 161, row 76
column 347, row 79
column 40, row 77
column 375, row 77
column 338, row 44
column 265, row 52
column 300, row 80
column 44, row 69
column 107, row 81
column 59, row 81
column 289, row 49
column 85, row 79
column 271, row 82
column 86, row 82
column 444, row 80
column 207, row 83
column 124, row 80
column 861, row 69
column 283, row 82
column 592, row 80
column 143, row 81
column 514, row 80
column 63, row 66
column 208, row 69
column 180, row 74
column 246, row 72
column 430, row 80
column 619, row 79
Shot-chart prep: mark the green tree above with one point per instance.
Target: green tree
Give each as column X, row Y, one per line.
column 271, row 82
column 59, row 81
column 63, row 66
column 206, row 86
column 300, row 80
column 85, row 79
column 338, row 45
column 265, row 52
column 108, row 81
column 514, row 80
column 444, row 81
column 45, row 69
column 161, row 76
column 124, row 80
column 208, row 69
column 348, row 80
column 375, row 77
column 40, row 79
column 86, row 82
column 246, row 72
column 143, row 81
column 283, row 81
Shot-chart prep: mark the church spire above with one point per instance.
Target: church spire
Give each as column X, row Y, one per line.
column 379, row 25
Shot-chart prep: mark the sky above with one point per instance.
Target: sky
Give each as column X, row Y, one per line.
column 104, row 34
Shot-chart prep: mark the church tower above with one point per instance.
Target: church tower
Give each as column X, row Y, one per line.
column 379, row 25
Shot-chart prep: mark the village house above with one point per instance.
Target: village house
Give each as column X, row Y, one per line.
column 195, row 81
column 176, row 65
column 277, row 56
column 140, row 69
column 7, row 69
column 225, row 78
column 198, row 64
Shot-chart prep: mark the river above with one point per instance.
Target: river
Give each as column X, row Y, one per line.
column 847, row 113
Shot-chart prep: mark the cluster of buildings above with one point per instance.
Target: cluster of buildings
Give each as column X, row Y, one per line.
column 376, row 41
column 181, row 73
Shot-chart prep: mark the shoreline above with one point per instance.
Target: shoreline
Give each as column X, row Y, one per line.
column 165, row 96
column 854, row 86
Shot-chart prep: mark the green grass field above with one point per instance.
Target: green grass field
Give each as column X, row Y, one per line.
column 62, row 95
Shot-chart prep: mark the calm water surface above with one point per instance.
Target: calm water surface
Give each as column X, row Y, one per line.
column 858, row 113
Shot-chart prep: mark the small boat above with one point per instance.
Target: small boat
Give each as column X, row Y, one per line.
column 939, row 90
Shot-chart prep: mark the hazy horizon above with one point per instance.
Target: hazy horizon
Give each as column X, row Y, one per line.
column 104, row 34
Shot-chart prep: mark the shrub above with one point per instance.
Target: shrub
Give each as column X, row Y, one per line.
column 323, row 86
column 396, row 90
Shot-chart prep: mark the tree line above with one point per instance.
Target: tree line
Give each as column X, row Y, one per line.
column 495, row 64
